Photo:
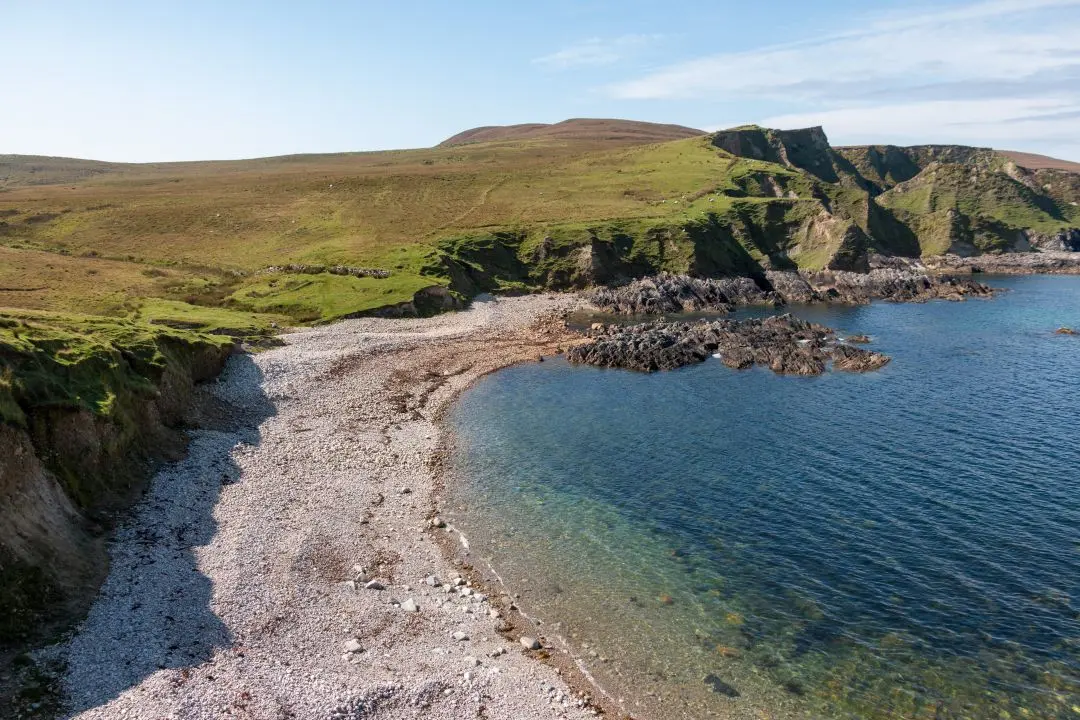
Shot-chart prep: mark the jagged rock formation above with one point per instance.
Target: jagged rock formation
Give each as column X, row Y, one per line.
column 666, row 293
column 784, row 344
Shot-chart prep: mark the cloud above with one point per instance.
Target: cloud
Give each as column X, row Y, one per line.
column 979, row 42
column 995, row 68
column 981, row 122
column 596, row 51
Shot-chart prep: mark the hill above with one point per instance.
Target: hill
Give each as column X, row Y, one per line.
column 233, row 246
column 1040, row 162
column 578, row 129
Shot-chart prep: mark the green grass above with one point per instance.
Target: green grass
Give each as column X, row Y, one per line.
column 83, row 362
column 323, row 297
column 215, row 320
column 168, row 242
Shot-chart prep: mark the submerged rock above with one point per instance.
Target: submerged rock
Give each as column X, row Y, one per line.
column 719, row 686
column 1065, row 331
column 785, row 344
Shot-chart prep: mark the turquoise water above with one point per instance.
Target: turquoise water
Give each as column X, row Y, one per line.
column 899, row 544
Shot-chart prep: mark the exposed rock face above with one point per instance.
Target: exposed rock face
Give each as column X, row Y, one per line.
column 1067, row 240
column 680, row 293
column 1058, row 263
column 666, row 293
column 784, row 344
column 65, row 473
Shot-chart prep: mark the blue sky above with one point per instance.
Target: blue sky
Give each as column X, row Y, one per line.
column 160, row 80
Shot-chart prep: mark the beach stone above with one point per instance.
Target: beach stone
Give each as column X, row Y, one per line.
column 437, row 522
column 460, row 636
column 529, row 643
column 374, row 585
column 410, row 606
column 353, row 646
column 471, row 661
column 432, row 581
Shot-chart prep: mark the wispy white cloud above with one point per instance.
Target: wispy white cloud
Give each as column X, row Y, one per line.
column 979, row 122
column 596, row 51
column 980, row 66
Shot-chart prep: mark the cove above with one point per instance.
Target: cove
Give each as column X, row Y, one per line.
column 904, row 543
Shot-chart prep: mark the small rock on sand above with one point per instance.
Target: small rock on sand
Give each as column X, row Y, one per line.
column 374, row 585
column 410, row 606
column 529, row 643
column 353, row 646
column 460, row 636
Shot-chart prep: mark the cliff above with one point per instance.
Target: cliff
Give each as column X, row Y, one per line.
column 87, row 407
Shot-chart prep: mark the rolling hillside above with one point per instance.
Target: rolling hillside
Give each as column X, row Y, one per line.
column 235, row 246
column 592, row 130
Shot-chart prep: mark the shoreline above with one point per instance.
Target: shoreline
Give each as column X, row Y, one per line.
column 329, row 481
column 340, row 456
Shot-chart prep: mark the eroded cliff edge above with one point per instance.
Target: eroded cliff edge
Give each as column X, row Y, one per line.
column 88, row 406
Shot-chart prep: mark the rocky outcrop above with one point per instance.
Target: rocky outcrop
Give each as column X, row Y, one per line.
column 1052, row 263
column 666, row 293
column 784, row 344
column 1067, row 240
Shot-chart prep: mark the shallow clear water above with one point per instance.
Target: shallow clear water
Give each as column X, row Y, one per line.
column 899, row 544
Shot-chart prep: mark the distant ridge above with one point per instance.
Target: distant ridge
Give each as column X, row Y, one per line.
column 594, row 129
column 1040, row 162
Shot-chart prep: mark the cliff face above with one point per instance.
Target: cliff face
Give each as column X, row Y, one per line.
column 88, row 406
column 786, row 199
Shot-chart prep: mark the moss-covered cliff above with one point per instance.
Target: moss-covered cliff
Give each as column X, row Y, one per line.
column 87, row 405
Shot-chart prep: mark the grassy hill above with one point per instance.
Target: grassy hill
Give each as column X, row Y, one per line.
column 235, row 246
column 608, row 131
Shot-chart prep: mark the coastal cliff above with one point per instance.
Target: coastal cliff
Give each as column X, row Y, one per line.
column 87, row 407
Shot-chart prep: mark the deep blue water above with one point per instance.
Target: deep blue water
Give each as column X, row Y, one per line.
column 904, row 543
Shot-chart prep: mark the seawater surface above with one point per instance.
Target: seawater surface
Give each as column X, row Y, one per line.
column 901, row 544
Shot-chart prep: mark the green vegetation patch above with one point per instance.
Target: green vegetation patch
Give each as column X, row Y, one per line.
column 324, row 296
column 88, row 363
column 209, row 319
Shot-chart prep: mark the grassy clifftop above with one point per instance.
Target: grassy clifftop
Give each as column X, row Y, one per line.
column 231, row 246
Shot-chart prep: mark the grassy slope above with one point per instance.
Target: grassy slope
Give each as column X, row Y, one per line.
column 197, row 232
column 185, row 243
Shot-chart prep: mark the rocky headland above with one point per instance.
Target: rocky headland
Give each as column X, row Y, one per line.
column 1047, row 262
column 667, row 293
column 784, row 344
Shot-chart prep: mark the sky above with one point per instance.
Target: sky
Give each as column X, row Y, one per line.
column 159, row 80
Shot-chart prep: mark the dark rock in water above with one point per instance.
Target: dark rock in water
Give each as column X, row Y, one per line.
column 720, row 687
column 853, row 359
column 785, row 344
column 858, row 339
column 1065, row 331
column 666, row 293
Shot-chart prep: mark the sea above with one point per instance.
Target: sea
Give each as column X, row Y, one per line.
column 737, row 544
